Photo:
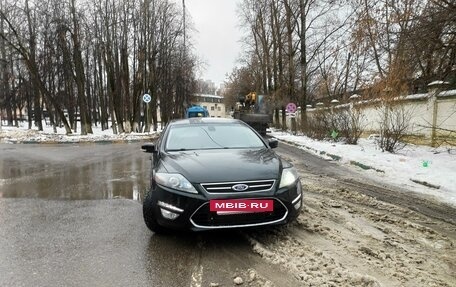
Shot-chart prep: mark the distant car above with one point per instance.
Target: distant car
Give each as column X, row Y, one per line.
column 214, row 173
column 196, row 112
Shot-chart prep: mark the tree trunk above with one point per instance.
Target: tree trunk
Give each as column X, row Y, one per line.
column 86, row 125
column 32, row 55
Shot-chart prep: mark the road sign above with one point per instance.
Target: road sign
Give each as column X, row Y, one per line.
column 147, row 98
column 291, row 108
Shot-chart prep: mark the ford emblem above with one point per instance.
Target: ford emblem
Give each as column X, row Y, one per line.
column 240, row 187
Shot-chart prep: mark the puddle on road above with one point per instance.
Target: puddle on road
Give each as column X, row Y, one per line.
column 103, row 177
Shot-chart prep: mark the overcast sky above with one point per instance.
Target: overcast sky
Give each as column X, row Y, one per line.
column 217, row 37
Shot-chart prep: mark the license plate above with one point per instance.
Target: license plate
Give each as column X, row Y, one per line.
column 236, row 206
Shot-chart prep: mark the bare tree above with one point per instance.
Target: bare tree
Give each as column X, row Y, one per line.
column 394, row 125
column 279, row 41
column 28, row 53
column 93, row 61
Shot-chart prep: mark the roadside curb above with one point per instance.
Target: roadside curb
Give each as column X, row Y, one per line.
column 365, row 167
column 333, row 156
column 425, row 183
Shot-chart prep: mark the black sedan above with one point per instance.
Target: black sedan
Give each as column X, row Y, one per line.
column 212, row 173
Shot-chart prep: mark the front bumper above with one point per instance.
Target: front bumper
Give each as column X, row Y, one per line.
column 180, row 210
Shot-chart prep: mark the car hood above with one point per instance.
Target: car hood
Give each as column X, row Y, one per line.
column 223, row 165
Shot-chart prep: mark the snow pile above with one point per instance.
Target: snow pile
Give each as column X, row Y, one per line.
column 23, row 135
column 421, row 169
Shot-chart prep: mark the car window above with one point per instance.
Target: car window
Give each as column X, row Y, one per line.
column 190, row 137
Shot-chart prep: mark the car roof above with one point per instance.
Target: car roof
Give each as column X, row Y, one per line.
column 200, row 120
column 196, row 109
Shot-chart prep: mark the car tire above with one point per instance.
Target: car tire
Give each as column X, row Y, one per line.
column 149, row 216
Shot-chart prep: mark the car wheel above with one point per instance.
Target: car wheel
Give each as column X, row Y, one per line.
column 149, row 217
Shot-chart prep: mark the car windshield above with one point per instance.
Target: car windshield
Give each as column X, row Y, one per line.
column 211, row 136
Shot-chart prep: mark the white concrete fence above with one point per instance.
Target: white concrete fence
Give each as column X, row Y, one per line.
column 432, row 115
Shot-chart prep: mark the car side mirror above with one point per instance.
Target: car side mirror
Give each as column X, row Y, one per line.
column 273, row 143
column 149, row 148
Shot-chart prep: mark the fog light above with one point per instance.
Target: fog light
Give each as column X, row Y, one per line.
column 170, row 207
column 297, row 204
column 299, row 187
column 297, row 201
column 168, row 214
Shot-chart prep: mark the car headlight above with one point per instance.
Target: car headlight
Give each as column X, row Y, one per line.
column 289, row 177
column 175, row 181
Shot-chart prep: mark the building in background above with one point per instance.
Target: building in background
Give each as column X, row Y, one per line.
column 214, row 105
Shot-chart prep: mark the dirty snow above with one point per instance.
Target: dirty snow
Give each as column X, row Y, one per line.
column 344, row 238
column 434, row 168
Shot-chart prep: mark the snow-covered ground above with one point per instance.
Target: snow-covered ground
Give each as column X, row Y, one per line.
column 434, row 168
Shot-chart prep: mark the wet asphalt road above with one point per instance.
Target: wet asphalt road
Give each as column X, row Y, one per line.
column 70, row 215
column 67, row 171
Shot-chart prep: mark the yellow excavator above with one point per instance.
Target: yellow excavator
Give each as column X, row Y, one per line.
column 253, row 110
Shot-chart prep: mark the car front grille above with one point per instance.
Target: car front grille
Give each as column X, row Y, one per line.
column 227, row 187
column 204, row 218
